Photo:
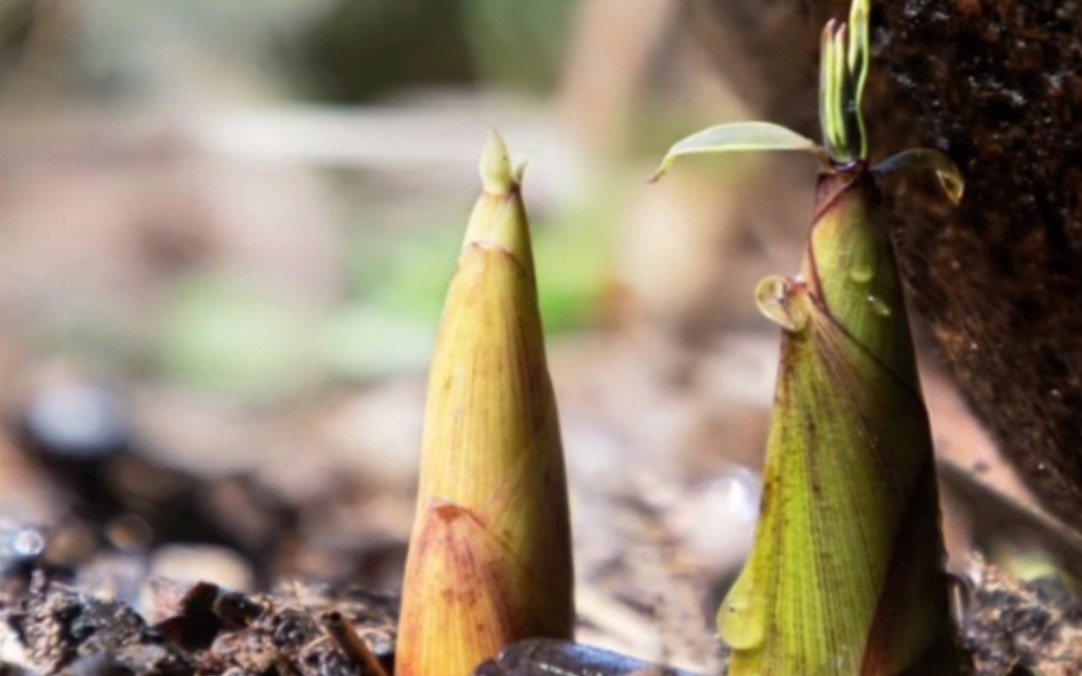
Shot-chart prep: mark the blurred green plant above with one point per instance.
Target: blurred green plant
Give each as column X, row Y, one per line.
column 125, row 50
column 361, row 49
column 221, row 334
column 331, row 50
column 405, row 274
column 521, row 44
column 360, row 341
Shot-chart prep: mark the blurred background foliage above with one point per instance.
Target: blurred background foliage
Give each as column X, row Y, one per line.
column 389, row 233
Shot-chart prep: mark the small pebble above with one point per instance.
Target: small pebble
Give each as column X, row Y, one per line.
column 189, row 564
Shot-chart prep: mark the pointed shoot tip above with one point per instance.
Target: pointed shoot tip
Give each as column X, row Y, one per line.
column 498, row 219
column 497, row 175
column 859, row 15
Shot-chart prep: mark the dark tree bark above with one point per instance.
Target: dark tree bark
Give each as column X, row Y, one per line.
column 996, row 84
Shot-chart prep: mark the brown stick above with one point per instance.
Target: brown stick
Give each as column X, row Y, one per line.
column 352, row 645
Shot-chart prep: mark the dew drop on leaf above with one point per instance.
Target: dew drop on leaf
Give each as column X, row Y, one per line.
column 878, row 306
column 861, row 274
column 774, row 296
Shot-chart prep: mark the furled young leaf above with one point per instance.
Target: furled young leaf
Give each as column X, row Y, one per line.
column 490, row 555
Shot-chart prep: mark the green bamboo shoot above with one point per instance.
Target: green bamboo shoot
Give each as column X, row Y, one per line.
column 846, row 571
column 489, row 560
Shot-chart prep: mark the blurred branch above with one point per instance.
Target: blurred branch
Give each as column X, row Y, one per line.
column 434, row 136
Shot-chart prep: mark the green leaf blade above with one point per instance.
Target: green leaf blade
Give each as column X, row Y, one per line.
column 736, row 137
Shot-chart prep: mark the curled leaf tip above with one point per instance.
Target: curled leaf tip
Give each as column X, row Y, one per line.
column 497, row 175
column 953, row 185
column 498, row 219
column 925, row 159
column 776, row 297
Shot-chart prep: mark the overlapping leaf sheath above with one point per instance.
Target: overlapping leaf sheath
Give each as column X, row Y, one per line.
column 490, row 555
column 846, row 572
column 845, row 576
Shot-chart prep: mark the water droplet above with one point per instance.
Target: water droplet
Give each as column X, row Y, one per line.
column 774, row 296
column 843, row 660
column 19, row 542
column 861, row 274
column 736, row 495
column 878, row 306
column 28, row 543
